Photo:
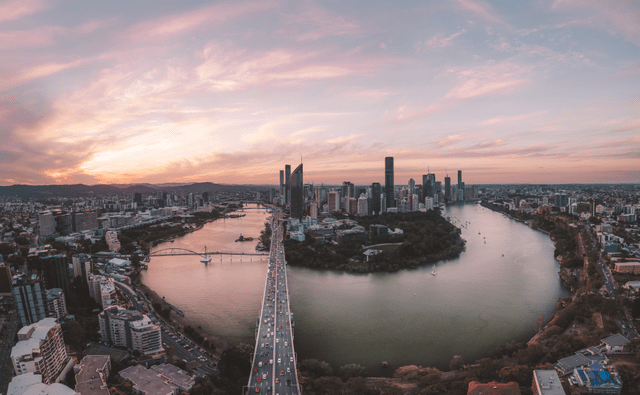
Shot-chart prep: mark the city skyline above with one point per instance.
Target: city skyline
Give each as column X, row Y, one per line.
column 541, row 92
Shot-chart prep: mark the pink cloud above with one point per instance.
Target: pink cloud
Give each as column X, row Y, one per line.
column 439, row 41
column 502, row 120
column 177, row 24
column 39, row 71
column 314, row 22
column 613, row 17
column 16, row 9
column 481, row 9
column 227, row 70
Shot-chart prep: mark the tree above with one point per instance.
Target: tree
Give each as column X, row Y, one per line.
column 350, row 371
column 456, row 363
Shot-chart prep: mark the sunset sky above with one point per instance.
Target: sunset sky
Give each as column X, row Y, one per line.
column 230, row 92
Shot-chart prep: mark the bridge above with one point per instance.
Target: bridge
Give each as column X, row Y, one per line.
column 184, row 251
column 273, row 369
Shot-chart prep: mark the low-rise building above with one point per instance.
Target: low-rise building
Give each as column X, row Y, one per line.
column 493, row 388
column 546, row 382
column 91, row 375
column 614, row 344
column 597, row 380
column 159, row 380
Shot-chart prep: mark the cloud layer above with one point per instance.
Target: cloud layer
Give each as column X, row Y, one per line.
column 231, row 91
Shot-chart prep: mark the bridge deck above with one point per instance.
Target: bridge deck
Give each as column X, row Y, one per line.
column 273, row 370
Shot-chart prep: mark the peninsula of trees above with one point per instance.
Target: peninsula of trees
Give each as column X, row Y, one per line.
column 426, row 238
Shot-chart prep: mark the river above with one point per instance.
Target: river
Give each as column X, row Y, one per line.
column 475, row 302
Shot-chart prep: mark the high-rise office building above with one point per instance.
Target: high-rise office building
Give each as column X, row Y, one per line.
column 47, row 224
column 388, row 182
column 376, row 191
column 297, row 193
column 287, row 184
column 137, row 197
column 64, row 224
column 333, row 201
column 281, row 189
column 205, row 197
column 55, row 272
column 29, row 296
column 5, row 280
column 83, row 221
column 460, row 179
column 411, row 186
column 447, row 189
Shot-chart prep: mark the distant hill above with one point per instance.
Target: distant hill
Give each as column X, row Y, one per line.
column 45, row 191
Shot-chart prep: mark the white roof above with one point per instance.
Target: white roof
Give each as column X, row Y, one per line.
column 19, row 384
column 119, row 262
column 25, row 347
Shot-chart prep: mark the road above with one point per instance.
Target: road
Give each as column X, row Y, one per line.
column 9, row 334
column 183, row 348
column 622, row 317
column 274, row 361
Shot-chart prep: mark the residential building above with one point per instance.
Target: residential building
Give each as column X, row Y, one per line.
column 40, row 349
column 56, row 303
column 363, row 205
column 31, row 384
column 333, row 200
column 146, row 336
column 114, row 325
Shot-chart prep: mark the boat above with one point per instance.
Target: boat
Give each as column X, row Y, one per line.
column 206, row 258
column 433, row 272
column 242, row 238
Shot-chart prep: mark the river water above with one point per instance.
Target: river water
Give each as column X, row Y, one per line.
column 475, row 302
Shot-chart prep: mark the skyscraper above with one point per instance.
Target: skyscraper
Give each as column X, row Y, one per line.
column 447, row 189
column 388, row 181
column 282, row 185
column 287, row 184
column 459, row 179
column 55, row 272
column 297, row 195
column 376, row 191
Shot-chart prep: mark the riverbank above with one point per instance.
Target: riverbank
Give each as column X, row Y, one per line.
column 179, row 322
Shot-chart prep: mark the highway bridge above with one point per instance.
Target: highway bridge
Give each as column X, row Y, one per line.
column 273, row 369
column 205, row 253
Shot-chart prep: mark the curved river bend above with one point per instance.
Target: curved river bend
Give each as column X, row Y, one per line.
column 475, row 303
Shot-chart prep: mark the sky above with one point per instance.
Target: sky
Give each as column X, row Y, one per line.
column 542, row 91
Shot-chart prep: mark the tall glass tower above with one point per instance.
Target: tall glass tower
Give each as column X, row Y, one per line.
column 388, row 181
column 297, row 193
